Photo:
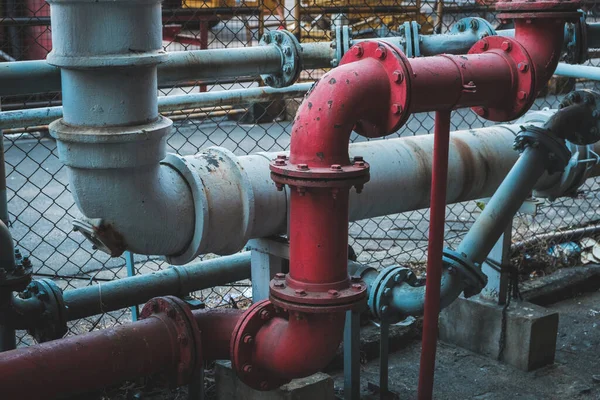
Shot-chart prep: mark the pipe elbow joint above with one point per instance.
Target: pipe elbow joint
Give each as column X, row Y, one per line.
column 129, row 201
column 336, row 104
column 270, row 347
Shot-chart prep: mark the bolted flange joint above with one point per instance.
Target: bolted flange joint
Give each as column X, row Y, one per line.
column 537, row 8
column 473, row 278
column 474, row 25
column 585, row 129
column 242, row 346
column 53, row 322
column 523, row 76
column 539, row 138
column 299, row 296
column 185, row 335
column 381, row 293
column 301, row 177
column 397, row 67
column 291, row 58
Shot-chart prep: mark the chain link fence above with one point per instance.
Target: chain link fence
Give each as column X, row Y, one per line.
column 41, row 207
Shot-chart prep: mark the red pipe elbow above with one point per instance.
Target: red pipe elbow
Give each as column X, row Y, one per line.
column 321, row 131
column 299, row 346
column 539, row 28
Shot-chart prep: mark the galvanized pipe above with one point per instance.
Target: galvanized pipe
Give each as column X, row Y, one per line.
column 45, row 115
column 555, row 237
column 479, row 161
column 578, row 71
column 27, row 77
column 177, row 281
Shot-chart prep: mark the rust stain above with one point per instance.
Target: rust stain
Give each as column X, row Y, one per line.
column 469, row 162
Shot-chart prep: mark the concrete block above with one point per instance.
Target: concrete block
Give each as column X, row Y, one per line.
column 229, row 387
column 477, row 325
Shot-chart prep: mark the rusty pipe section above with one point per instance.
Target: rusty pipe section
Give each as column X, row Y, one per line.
column 479, row 160
column 165, row 342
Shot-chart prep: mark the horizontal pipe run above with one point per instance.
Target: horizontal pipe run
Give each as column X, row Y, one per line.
column 479, row 161
column 178, row 281
column 578, row 71
column 27, row 77
column 44, row 116
column 82, row 363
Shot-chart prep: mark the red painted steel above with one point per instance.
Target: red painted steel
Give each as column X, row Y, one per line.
column 94, row 360
column 272, row 346
column 297, row 332
column 437, row 219
column 216, row 329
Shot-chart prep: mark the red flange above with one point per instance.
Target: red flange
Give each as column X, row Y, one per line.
column 523, row 78
column 397, row 68
column 537, row 5
column 317, row 298
column 243, row 343
column 301, row 176
column 538, row 9
column 176, row 313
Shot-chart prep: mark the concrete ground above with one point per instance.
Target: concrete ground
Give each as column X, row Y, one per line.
column 461, row 374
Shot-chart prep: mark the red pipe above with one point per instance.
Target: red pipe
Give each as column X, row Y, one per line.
column 91, row 361
column 437, row 218
column 543, row 39
column 321, row 131
column 300, row 346
column 461, row 81
column 216, row 328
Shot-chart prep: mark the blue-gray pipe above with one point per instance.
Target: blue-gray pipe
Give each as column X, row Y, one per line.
column 176, row 281
column 45, row 115
column 27, row 77
column 578, row 71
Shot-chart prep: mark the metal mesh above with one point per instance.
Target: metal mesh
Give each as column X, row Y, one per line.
column 42, row 208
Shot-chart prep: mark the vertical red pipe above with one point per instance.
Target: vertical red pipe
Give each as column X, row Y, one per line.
column 437, row 219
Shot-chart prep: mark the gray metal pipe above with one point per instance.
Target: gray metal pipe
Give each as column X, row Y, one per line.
column 27, row 77
column 514, row 190
column 578, row 71
column 46, row 115
column 249, row 206
column 534, row 162
column 177, row 281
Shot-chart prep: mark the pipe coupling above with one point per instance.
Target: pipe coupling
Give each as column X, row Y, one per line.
column 291, row 58
column 243, row 342
column 291, row 294
column 185, row 335
column 523, row 77
column 52, row 324
column 210, row 175
column 557, row 153
column 473, row 278
column 381, row 292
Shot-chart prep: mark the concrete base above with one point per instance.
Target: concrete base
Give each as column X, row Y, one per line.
column 477, row 325
column 229, row 387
